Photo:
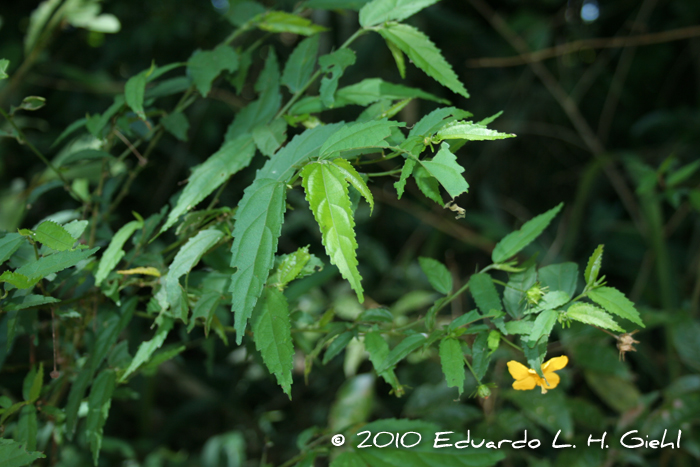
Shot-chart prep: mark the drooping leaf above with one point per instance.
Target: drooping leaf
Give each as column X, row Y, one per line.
column 300, row 64
column 27, row 427
column 54, row 263
column 280, row 21
column 447, row 171
column 229, row 159
column 484, row 292
column 268, row 138
column 134, row 91
column 354, row 178
column 380, row 11
column 337, row 345
column 512, row 243
column 147, row 348
column 205, row 308
column 99, row 404
column 452, row 361
column 205, row 66
column 273, row 336
column 327, row 194
column 616, row 303
column 406, row 171
column 438, row 275
column 14, row 454
column 543, row 326
column 401, row 351
column 590, row 314
column 176, row 124
column 470, row 131
column 398, row 58
column 358, row 136
column 428, row 185
column 593, row 267
column 114, row 251
column 424, row 54
column 334, row 65
column 481, row 357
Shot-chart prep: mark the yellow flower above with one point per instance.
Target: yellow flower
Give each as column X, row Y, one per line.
column 527, row 378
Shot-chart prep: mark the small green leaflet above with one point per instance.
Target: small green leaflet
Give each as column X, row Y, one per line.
column 481, row 357
column 590, row 314
column 258, row 226
column 424, row 54
column 447, row 171
column 333, row 64
column 229, row 159
column 512, row 243
column 53, row 236
column 519, row 327
column 273, row 336
column 205, row 308
column 176, row 124
column 280, row 21
column 616, row 303
column 27, row 427
column 327, row 193
column 355, row 179
column 18, row 280
column 98, row 409
column 337, row 346
column 54, row 263
column 114, row 251
column 437, row 119
column 452, row 361
column 438, row 275
column 594, row 264
column 402, row 350
column 358, row 136
column 134, row 90
column 4, row 63
column 293, row 266
column 379, row 11
column 398, row 58
column 470, row 131
column 14, row 454
column 428, row 185
column 406, row 172
column 336, row 4
column 205, row 66
column 146, row 349
column 543, row 326
column 300, row 64
column 484, row 292
column 378, row 350
column 560, row 277
column 550, row 301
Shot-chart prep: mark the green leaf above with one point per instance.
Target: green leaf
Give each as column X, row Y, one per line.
column 406, row 172
column 534, row 355
column 470, row 131
column 31, row 103
column 176, row 124
column 33, row 384
column 14, row 454
column 543, row 326
column 146, row 348
column 27, row 301
column 27, row 427
column 347, row 458
column 205, row 66
column 54, row 263
column 20, row 281
column 519, row 327
column 437, row 119
column 336, row 4
column 447, row 171
column 481, row 357
column 86, row 155
column 358, row 136
column 160, row 357
column 229, row 159
column 551, row 410
column 134, row 91
column 327, row 194
column 379, row 11
column 9, row 244
column 428, row 185
column 337, row 345
column 616, row 303
column 268, row 138
column 685, row 339
column 242, row 12
column 205, row 308
column 293, row 266
column 258, row 226
column 333, row 64
column 187, row 257
column 4, row 63
column 682, row 174
column 280, row 21
column 273, row 336
column 96, row 123
column 452, row 361
column 590, row 314
column 550, row 301
column 114, row 251
column 37, row 21
column 512, row 243
column 593, row 267
column 98, row 409
column 424, row 54
column 560, row 277
column 351, row 175
column 484, row 292
column 378, row 350
column 438, row 275
column 398, row 58
column 621, row 395
column 402, row 350
column 53, row 236
column 300, row 64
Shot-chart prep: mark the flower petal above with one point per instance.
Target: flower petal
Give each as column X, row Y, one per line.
column 554, row 364
column 525, row 384
column 518, row 370
column 552, row 380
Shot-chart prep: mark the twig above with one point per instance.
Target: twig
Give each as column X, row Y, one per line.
column 134, row 151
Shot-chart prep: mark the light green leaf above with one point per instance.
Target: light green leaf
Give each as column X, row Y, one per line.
column 114, row 251
column 512, row 243
column 134, row 91
column 9, row 244
column 519, row 327
column 428, row 185
column 543, row 326
column 187, row 257
column 146, row 349
column 37, row 21
column 333, row 64
column 351, row 175
column 258, row 226
column 14, row 454
column 424, row 54
column 229, row 159
column 4, row 63
column 470, row 131
column 359, row 136
column 682, row 174
column 291, row 266
column 268, row 138
column 437, row 119
column 398, row 58
column 280, row 21
column 616, row 303
column 438, row 275
column 53, row 236
column 406, row 172
column 481, row 357
column 176, row 124
column 590, row 314
column 30, row 103
column 447, row 171
column 402, row 350
column 205, row 66
column 54, row 263
column 241, row 12
column 327, row 194
column 98, row 409
column 452, row 361
column 379, row 11
column 273, row 336
column 593, row 267
column 300, row 64
column 20, row 281
column 550, row 301
column 484, row 292
column 86, row 155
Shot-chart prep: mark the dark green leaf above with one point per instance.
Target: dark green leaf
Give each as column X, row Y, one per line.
column 534, row 355
column 550, row 301
column 27, row 428
column 268, row 138
column 438, row 275
column 114, row 251
column 242, row 12
column 98, row 409
column 512, row 243
column 401, row 351
column 205, row 66
column 54, row 263
column 336, row 4
column 86, row 155
column 380, row 11
column 484, row 292
column 452, row 361
column 14, row 454
column 96, row 123
column 406, row 172
column 333, row 64
column 147, row 348
column 358, row 135
column 466, row 318
column 205, row 308
column 300, row 64
column 177, row 125
column 562, row 277
column 337, row 346
column 9, row 244
column 616, row 303
column 22, row 302
column 549, row 410
column 685, row 339
column 481, row 357
column 134, row 91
